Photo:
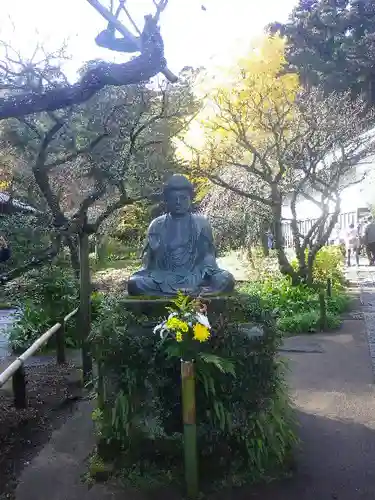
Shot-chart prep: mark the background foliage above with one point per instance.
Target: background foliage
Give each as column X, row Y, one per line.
column 47, row 295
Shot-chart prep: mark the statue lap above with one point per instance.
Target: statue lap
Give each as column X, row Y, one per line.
column 201, row 275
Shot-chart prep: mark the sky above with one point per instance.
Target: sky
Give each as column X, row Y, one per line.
column 192, row 36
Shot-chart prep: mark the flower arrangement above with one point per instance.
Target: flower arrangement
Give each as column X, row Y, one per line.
column 187, row 322
column 182, row 334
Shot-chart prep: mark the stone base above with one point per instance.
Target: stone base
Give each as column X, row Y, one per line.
column 156, row 307
column 227, row 307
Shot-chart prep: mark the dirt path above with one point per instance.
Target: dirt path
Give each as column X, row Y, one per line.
column 51, row 394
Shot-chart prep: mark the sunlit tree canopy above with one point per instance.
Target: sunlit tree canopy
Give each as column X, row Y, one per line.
column 243, row 99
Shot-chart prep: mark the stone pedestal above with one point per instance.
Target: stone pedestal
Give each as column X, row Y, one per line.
column 229, row 308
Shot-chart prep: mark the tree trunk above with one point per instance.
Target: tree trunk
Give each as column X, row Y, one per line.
column 249, row 256
column 264, row 243
column 284, row 264
column 72, row 243
column 85, row 301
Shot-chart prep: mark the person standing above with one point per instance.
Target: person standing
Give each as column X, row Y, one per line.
column 352, row 244
column 369, row 240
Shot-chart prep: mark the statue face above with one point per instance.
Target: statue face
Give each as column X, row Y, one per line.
column 178, row 201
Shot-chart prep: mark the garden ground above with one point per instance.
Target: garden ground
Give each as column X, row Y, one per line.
column 331, row 379
column 52, row 392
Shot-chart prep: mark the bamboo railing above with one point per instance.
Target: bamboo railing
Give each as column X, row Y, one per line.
column 16, row 369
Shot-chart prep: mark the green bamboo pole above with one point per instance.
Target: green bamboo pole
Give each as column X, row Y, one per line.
column 190, row 428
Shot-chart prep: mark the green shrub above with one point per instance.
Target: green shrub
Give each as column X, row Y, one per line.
column 27, row 236
column 245, row 425
column 112, row 250
column 307, row 322
column 329, row 264
column 296, row 307
column 49, row 294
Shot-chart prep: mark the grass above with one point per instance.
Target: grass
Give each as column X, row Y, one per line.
column 114, row 264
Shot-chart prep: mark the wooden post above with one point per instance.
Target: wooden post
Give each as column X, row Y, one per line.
column 190, row 428
column 85, row 301
column 329, row 287
column 60, row 344
column 19, row 388
column 323, row 311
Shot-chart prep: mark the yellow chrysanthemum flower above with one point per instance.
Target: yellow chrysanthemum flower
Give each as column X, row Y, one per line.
column 177, row 325
column 201, row 333
column 179, row 337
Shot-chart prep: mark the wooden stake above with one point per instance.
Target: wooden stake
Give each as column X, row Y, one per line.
column 85, row 302
column 60, row 344
column 19, row 388
column 190, row 428
column 323, row 311
column 329, row 287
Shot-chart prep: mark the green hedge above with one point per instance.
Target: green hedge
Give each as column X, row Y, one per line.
column 245, row 426
column 296, row 307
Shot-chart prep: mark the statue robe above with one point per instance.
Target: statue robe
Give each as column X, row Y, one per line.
column 179, row 254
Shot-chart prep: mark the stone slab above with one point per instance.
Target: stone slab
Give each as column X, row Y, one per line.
column 302, row 345
column 56, row 473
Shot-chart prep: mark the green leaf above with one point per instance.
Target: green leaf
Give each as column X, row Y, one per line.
column 224, row 365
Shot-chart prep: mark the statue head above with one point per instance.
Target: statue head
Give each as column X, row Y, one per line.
column 178, row 194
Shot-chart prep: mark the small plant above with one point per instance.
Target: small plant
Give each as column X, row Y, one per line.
column 307, row 322
column 48, row 295
column 329, row 264
column 296, row 307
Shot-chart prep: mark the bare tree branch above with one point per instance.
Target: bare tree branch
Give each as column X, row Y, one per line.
column 80, row 152
column 142, row 68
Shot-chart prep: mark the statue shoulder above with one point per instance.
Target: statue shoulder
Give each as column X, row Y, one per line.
column 201, row 221
column 157, row 223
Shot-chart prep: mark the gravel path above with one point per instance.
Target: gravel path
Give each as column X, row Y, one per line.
column 365, row 277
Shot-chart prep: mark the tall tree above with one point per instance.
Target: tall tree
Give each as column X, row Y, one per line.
column 331, row 43
column 90, row 160
column 285, row 144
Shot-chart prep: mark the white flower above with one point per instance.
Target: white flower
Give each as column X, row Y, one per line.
column 161, row 329
column 203, row 320
column 172, row 315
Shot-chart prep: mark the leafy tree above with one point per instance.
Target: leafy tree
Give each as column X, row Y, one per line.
column 90, row 160
column 284, row 144
column 332, row 43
